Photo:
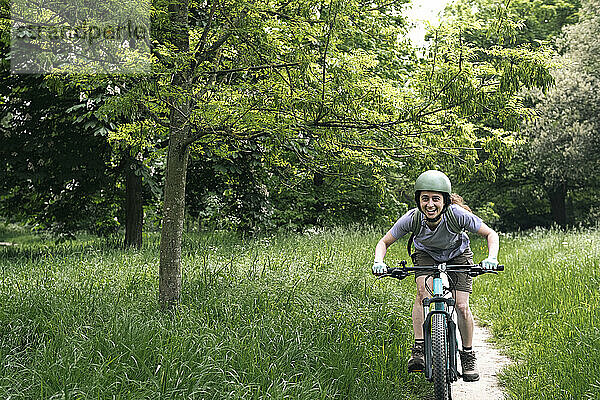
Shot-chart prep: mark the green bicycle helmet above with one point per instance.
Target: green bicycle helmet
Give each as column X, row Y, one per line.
column 434, row 181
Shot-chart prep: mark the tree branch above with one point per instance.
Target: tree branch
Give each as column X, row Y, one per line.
column 440, row 150
column 381, row 6
column 255, row 68
column 146, row 110
column 202, row 42
column 224, row 130
column 219, row 42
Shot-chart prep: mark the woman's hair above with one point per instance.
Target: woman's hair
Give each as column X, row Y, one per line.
column 455, row 198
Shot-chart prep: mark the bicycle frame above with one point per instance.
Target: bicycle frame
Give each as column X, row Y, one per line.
column 441, row 305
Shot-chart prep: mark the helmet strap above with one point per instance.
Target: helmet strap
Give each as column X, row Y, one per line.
column 434, row 220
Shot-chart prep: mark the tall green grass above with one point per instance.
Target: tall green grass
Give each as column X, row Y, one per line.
column 544, row 309
column 288, row 317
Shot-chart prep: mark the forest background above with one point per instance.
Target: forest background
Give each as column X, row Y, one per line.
column 306, row 114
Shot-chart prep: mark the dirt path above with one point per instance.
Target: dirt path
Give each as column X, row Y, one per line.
column 489, row 362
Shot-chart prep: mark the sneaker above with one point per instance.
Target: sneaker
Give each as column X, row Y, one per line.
column 469, row 367
column 416, row 363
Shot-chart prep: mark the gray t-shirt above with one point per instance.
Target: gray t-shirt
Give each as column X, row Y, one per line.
column 441, row 244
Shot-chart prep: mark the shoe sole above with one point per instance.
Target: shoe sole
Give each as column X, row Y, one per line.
column 416, row 368
column 470, row 379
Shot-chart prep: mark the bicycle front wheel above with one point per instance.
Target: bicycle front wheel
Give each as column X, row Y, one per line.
column 439, row 357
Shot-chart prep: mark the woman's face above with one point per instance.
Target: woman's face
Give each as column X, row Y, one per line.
column 432, row 203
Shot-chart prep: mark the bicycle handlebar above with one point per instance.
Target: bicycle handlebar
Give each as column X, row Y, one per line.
column 473, row 270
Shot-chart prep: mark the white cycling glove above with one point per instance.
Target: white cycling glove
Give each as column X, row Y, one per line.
column 379, row 268
column 489, row 263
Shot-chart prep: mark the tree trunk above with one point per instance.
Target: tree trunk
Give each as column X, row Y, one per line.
column 558, row 207
column 169, row 282
column 172, row 223
column 134, row 218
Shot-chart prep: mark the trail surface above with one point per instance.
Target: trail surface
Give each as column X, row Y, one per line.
column 489, row 362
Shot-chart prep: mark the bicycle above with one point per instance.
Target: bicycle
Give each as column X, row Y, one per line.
column 439, row 329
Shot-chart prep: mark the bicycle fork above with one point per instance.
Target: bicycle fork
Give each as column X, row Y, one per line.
column 441, row 305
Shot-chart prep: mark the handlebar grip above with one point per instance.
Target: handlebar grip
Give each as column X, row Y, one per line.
column 396, row 272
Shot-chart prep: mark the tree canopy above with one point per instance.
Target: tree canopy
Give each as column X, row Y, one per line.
column 562, row 144
column 308, row 112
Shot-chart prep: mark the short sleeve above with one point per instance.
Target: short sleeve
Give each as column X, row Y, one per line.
column 403, row 225
column 466, row 220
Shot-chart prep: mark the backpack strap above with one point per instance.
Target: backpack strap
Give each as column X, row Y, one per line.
column 452, row 221
column 417, row 217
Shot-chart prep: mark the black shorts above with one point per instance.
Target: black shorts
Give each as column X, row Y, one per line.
column 458, row 280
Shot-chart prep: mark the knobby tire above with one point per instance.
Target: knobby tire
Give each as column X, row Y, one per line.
column 439, row 357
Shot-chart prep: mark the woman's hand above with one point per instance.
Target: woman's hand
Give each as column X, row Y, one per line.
column 379, row 268
column 489, row 263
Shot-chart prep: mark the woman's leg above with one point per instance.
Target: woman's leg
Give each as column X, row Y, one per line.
column 416, row 363
column 465, row 326
column 417, row 312
column 464, row 317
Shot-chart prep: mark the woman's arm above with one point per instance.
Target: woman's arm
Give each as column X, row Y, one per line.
column 493, row 241
column 382, row 246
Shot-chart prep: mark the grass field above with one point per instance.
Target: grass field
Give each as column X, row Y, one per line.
column 288, row 317
column 545, row 311
column 296, row 317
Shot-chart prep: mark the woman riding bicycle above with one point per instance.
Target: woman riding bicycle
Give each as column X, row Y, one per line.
column 436, row 242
